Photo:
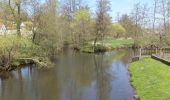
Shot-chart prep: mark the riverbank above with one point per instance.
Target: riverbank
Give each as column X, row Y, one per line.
column 107, row 45
column 151, row 79
column 13, row 49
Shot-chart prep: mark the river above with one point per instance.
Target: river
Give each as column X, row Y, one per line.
column 76, row 76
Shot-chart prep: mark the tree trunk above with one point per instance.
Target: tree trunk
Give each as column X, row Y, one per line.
column 19, row 20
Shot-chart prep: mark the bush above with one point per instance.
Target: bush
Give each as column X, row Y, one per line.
column 12, row 47
column 8, row 49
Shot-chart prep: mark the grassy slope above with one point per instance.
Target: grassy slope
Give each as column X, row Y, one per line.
column 151, row 79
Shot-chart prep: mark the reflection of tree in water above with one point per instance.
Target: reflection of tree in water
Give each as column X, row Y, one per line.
column 12, row 90
column 124, row 56
column 127, row 56
column 83, row 70
column 48, row 85
column 81, row 74
column 102, row 78
column 3, row 77
column 21, row 91
column 31, row 84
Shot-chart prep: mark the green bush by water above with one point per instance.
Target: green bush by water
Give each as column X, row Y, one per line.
column 13, row 47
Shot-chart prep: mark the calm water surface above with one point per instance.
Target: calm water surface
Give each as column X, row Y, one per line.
column 76, row 76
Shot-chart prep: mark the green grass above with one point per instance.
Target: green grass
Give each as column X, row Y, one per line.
column 151, row 79
column 168, row 59
column 166, row 47
column 108, row 44
column 114, row 43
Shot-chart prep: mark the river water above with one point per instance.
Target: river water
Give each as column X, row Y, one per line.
column 76, row 76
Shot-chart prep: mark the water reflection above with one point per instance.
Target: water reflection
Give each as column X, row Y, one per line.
column 77, row 76
column 102, row 78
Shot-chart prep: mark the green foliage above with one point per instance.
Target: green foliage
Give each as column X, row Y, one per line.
column 81, row 27
column 118, row 30
column 82, row 14
column 148, row 40
column 151, row 79
column 128, row 24
column 12, row 47
column 50, row 32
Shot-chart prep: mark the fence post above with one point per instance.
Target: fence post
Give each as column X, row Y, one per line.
column 140, row 52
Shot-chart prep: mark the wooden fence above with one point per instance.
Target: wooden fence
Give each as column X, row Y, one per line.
column 148, row 51
column 161, row 59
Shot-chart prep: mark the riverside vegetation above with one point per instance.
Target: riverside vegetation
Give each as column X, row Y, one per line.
column 16, row 51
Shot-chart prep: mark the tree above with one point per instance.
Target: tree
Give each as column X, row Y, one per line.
column 128, row 24
column 118, row 30
column 163, row 29
column 82, row 26
column 140, row 19
column 154, row 14
column 35, row 15
column 17, row 14
column 51, row 29
column 103, row 20
column 69, row 7
column 136, row 16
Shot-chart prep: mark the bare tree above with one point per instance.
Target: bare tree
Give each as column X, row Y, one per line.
column 154, row 14
column 69, row 7
column 163, row 10
column 136, row 16
column 35, row 11
column 128, row 24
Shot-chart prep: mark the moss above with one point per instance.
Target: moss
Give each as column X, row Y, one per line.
column 151, row 79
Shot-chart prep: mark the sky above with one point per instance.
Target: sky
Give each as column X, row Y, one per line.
column 120, row 6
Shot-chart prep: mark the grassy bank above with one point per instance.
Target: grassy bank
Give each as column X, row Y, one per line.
column 151, row 79
column 168, row 59
column 12, row 49
column 108, row 44
column 166, row 47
